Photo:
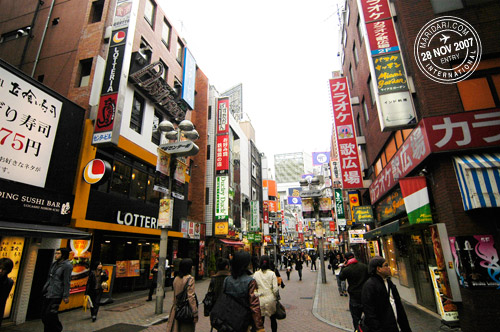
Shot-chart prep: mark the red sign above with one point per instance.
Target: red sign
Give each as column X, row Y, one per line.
column 223, row 116
column 347, row 146
column 96, row 170
column 374, row 10
column 273, row 206
column 222, row 153
column 382, row 35
column 106, row 113
column 265, row 208
column 463, row 130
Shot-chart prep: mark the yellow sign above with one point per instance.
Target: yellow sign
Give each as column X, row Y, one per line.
column 221, row 228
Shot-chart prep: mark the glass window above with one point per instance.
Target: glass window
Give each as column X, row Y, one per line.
column 370, row 88
column 360, row 29
column 355, row 53
column 359, row 129
column 156, row 135
column 165, row 71
column 96, row 11
column 399, row 138
column 85, row 70
column 406, row 133
column 383, row 159
column 476, row 94
column 152, row 195
column 137, row 113
column 365, row 110
column 390, row 255
column 149, row 12
column 441, row 6
column 378, row 167
column 351, row 73
column 180, row 51
column 390, row 149
column 120, row 182
column 138, row 185
column 165, row 33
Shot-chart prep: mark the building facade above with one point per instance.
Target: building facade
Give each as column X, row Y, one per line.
column 433, row 146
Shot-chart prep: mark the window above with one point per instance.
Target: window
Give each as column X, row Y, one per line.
column 398, row 135
column 365, row 110
column 165, row 71
column 156, row 136
column 96, row 11
column 138, row 185
column 406, row 133
column 149, row 12
column 378, row 167
column 180, row 51
column 209, row 112
column 85, row 69
column 360, row 29
column 355, row 54
column 390, row 149
column 358, row 125
column 152, row 195
column 476, row 93
column 370, row 87
column 137, row 113
column 351, row 74
column 145, row 50
column 254, row 170
column 208, row 152
column 14, row 34
column 207, row 196
column 120, row 181
column 40, row 78
column 165, row 34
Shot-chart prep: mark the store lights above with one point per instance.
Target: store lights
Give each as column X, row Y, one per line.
column 107, row 241
column 128, row 242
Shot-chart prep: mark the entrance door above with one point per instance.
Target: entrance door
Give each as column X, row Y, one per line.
column 420, row 261
column 42, row 267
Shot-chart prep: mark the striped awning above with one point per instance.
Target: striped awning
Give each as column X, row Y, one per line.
column 478, row 177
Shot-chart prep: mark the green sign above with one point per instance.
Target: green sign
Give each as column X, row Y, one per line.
column 391, row 206
column 250, row 237
column 258, row 237
column 363, row 214
column 390, row 73
column 339, row 204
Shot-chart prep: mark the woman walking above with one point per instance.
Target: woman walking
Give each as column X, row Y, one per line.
column 267, row 291
column 184, row 278
column 299, row 261
column 94, row 287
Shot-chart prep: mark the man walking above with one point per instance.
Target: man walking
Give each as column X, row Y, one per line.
column 381, row 302
column 154, row 274
column 313, row 261
column 55, row 290
column 356, row 273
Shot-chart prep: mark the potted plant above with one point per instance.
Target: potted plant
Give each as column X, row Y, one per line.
column 211, row 264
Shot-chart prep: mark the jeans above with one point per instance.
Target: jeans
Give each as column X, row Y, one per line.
column 340, row 285
column 300, row 274
column 356, row 309
column 50, row 318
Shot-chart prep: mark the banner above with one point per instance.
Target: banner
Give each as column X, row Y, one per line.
column 166, row 212
column 222, row 154
column 416, row 200
column 347, row 146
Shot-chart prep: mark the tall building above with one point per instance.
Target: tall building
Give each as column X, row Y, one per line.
column 127, row 67
column 430, row 125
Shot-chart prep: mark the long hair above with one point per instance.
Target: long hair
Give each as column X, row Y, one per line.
column 375, row 262
column 265, row 262
column 185, row 267
column 239, row 263
column 64, row 253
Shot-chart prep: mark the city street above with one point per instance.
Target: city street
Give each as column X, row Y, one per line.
column 310, row 305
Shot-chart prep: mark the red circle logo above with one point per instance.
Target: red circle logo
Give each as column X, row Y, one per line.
column 95, row 171
column 119, row 37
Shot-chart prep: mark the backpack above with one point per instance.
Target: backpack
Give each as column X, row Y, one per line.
column 230, row 314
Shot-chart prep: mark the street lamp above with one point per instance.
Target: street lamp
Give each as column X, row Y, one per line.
column 179, row 148
column 315, row 194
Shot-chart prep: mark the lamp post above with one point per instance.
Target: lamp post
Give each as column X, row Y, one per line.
column 315, row 194
column 180, row 148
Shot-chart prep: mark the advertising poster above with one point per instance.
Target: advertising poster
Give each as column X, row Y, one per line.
column 165, row 214
column 80, row 256
column 201, row 261
column 128, row 268
column 446, row 308
column 11, row 247
column 155, row 254
column 476, row 261
column 356, row 236
column 121, row 269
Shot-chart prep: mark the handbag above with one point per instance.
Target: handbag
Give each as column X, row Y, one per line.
column 183, row 311
column 209, row 300
column 280, row 311
column 229, row 314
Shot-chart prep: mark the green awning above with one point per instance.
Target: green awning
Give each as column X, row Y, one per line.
column 389, row 228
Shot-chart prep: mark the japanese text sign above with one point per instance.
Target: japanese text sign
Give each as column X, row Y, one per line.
column 29, row 118
column 222, row 197
column 390, row 73
column 223, row 116
column 222, row 154
column 375, row 10
column 346, row 135
column 382, row 37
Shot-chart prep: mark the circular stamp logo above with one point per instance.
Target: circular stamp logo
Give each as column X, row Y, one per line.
column 447, row 49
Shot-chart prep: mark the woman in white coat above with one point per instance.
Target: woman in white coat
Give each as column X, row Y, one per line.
column 267, row 290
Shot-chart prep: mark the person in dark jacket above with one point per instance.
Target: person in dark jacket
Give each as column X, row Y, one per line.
column 299, row 261
column 154, row 281
column 55, row 290
column 382, row 305
column 356, row 273
column 6, row 283
column 94, row 287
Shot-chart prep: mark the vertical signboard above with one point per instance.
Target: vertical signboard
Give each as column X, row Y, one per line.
column 347, row 146
column 189, row 79
column 339, row 207
column 254, row 212
column 222, row 116
column 28, row 126
column 222, row 154
column 222, row 197
column 108, row 121
column 395, row 105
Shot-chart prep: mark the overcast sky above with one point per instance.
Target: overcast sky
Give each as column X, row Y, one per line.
column 282, row 51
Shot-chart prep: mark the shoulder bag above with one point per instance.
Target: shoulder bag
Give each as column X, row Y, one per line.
column 183, row 311
column 209, row 300
column 280, row 309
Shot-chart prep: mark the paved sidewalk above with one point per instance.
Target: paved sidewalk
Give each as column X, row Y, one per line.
column 326, row 306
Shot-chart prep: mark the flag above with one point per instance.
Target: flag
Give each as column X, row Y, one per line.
column 416, row 199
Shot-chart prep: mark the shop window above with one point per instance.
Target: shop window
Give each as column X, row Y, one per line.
column 476, row 94
column 85, row 69
column 138, row 185
column 390, row 149
column 390, row 255
column 165, row 34
column 120, row 182
column 96, row 11
column 137, row 113
column 399, row 138
column 149, row 12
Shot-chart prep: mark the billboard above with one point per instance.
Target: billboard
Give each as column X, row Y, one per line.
column 222, row 154
column 189, row 79
column 222, row 116
column 222, row 197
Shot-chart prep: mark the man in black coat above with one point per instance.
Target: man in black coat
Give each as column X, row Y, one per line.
column 382, row 305
column 356, row 274
column 6, row 283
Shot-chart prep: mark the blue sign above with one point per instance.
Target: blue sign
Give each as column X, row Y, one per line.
column 320, row 158
column 294, row 200
column 189, row 79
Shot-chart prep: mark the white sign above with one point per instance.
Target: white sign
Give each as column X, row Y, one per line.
column 29, row 118
column 222, row 197
column 397, row 109
column 356, row 236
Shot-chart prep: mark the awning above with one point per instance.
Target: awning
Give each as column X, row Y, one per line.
column 389, row 228
column 478, row 178
column 232, row 242
column 39, row 230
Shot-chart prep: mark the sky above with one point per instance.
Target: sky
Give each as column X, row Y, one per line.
column 282, row 51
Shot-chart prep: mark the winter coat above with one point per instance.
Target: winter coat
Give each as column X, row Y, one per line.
column 267, row 291
column 217, row 282
column 379, row 315
column 58, row 283
column 173, row 325
column 356, row 274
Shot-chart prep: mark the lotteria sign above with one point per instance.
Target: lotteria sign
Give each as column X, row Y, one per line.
column 97, row 170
